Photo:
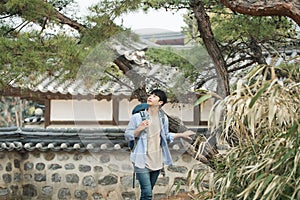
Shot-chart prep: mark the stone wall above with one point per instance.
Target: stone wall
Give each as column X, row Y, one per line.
column 81, row 175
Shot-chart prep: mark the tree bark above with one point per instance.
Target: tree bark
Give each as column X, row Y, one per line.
column 257, row 51
column 208, row 146
column 290, row 8
column 139, row 90
column 204, row 27
column 66, row 20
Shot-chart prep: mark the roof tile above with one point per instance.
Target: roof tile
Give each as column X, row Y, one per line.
column 100, row 139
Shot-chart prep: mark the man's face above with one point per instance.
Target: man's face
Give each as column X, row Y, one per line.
column 154, row 100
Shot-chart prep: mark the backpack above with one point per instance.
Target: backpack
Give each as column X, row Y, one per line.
column 139, row 108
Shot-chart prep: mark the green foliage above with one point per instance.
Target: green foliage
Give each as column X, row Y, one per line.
column 30, row 53
column 43, row 46
column 12, row 111
column 244, row 39
column 30, row 10
column 167, row 4
column 116, row 8
column 98, row 66
column 228, row 27
column 202, row 99
column 189, row 61
column 167, row 56
column 100, row 28
column 267, row 170
column 262, row 126
column 60, row 4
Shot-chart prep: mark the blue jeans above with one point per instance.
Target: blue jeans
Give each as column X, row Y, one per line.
column 147, row 180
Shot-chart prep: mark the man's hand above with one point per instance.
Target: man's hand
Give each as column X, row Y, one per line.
column 185, row 135
column 141, row 127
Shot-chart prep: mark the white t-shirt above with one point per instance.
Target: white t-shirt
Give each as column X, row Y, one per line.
column 154, row 152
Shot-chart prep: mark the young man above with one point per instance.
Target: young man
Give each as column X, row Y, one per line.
column 152, row 136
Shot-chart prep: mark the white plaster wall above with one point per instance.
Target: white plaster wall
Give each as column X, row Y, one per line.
column 125, row 109
column 80, row 110
column 205, row 109
column 183, row 111
column 94, row 110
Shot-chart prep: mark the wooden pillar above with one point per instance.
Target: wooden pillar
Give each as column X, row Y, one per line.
column 47, row 112
column 197, row 115
column 115, row 112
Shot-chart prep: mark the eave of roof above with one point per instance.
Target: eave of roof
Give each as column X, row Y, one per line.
column 73, row 139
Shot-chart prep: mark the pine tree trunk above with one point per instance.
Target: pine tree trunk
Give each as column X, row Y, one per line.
column 289, row 8
column 204, row 28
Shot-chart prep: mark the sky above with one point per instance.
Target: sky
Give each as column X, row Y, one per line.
column 151, row 20
column 154, row 19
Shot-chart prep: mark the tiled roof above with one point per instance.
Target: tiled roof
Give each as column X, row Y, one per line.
column 155, row 75
column 59, row 84
column 287, row 56
column 69, row 139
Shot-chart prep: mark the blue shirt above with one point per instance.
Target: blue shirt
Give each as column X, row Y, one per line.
column 138, row 156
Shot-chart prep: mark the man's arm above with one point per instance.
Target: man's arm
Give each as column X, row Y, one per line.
column 185, row 135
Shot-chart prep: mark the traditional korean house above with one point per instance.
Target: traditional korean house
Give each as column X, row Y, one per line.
column 77, row 101
column 79, row 152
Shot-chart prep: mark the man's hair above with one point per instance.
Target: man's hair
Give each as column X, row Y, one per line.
column 161, row 94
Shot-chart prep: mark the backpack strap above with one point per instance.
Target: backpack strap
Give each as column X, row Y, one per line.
column 143, row 115
column 162, row 116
